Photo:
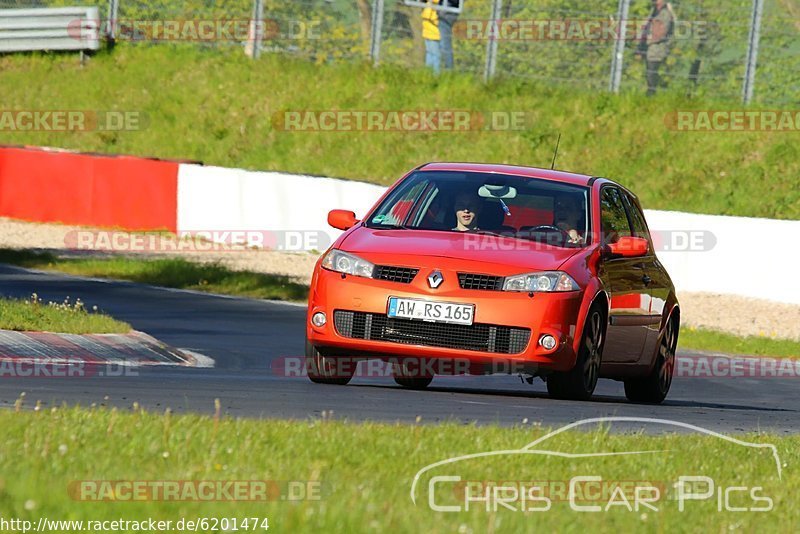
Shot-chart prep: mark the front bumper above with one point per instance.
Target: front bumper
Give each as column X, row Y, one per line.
column 503, row 316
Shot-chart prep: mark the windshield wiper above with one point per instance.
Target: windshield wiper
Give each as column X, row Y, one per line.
column 390, row 227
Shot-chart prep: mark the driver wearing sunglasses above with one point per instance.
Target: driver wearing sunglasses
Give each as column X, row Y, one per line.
column 467, row 208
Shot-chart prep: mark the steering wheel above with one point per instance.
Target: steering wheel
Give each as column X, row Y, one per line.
column 547, row 229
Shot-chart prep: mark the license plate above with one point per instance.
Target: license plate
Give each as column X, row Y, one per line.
column 431, row 311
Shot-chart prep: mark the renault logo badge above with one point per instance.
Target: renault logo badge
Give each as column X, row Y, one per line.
column 435, row 279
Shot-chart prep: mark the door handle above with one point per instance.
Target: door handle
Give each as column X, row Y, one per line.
column 646, row 279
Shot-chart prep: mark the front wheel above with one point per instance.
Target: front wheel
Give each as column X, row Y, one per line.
column 579, row 383
column 653, row 388
column 404, row 376
column 325, row 369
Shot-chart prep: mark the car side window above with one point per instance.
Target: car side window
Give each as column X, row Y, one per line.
column 404, row 201
column 613, row 218
column 637, row 218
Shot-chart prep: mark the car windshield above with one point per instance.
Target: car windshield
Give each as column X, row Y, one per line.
column 511, row 206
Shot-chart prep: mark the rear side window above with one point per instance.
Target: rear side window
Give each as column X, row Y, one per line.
column 613, row 219
column 637, row 218
column 403, row 202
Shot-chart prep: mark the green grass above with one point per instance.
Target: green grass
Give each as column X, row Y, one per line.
column 217, row 106
column 364, row 471
column 173, row 272
column 711, row 340
column 35, row 315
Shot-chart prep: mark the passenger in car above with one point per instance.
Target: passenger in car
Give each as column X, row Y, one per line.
column 567, row 217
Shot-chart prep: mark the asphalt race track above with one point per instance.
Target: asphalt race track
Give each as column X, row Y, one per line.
column 245, row 336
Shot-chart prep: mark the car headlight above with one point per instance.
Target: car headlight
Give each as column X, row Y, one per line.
column 342, row 262
column 548, row 281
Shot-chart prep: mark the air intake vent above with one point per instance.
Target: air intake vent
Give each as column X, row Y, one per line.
column 480, row 281
column 402, row 275
column 477, row 337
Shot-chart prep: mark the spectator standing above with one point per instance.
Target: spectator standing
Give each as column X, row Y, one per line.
column 656, row 42
column 432, row 37
column 446, row 21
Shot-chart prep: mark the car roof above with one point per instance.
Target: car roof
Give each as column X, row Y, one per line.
column 516, row 170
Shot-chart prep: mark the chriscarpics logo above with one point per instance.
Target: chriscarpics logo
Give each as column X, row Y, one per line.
column 674, row 467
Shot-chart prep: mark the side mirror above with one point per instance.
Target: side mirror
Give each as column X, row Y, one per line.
column 342, row 219
column 629, row 247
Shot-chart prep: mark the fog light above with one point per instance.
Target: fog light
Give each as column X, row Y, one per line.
column 548, row 342
column 319, row 319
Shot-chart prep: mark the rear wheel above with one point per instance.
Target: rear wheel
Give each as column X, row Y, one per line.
column 418, row 378
column 579, row 383
column 654, row 387
column 325, row 369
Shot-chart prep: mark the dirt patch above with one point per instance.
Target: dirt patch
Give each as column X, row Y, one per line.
column 737, row 315
column 740, row 315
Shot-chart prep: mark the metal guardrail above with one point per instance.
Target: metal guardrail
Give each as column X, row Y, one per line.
column 63, row 28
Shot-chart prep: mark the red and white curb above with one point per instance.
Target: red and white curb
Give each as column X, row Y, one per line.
column 133, row 349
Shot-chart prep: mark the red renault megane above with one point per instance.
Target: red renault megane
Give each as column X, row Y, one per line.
column 509, row 269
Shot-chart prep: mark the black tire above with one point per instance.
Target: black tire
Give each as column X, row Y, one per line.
column 653, row 388
column 416, row 380
column 579, row 382
column 325, row 369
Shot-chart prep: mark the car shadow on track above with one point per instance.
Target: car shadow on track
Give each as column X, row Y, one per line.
column 597, row 399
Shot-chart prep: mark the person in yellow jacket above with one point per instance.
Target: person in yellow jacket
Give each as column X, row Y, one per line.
column 432, row 37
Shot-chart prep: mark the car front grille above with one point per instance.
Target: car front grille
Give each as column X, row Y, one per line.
column 480, row 281
column 477, row 337
column 403, row 275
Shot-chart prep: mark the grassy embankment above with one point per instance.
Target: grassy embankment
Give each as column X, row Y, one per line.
column 217, row 106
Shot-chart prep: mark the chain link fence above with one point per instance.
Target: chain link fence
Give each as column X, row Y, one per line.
column 737, row 49
column 710, row 50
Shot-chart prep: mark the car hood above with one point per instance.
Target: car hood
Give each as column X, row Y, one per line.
column 460, row 246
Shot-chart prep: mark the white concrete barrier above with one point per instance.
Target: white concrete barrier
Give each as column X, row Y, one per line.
column 733, row 255
column 292, row 208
